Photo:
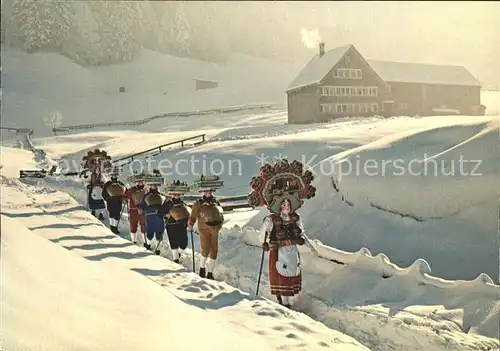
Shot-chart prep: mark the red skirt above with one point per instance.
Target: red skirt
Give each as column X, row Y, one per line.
column 281, row 285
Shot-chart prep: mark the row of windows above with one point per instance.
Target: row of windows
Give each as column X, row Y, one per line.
column 347, row 73
column 349, row 108
column 349, row 91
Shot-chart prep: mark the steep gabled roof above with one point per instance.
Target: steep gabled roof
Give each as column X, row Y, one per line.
column 423, row 73
column 407, row 72
column 318, row 67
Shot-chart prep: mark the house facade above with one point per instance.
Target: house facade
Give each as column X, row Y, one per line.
column 341, row 83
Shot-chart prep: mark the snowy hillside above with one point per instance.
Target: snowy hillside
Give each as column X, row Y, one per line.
column 434, row 223
column 121, row 297
column 34, row 85
column 383, row 314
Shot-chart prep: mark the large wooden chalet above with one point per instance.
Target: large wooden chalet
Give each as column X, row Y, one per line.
column 340, row 82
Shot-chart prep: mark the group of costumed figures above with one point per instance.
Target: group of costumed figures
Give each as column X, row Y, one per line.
column 281, row 187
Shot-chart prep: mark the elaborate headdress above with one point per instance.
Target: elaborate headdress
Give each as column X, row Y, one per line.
column 281, row 182
column 97, row 159
column 177, row 187
column 207, row 183
column 115, row 172
column 154, row 178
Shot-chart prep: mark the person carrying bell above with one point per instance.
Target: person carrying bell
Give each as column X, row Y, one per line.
column 176, row 220
column 113, row 193
column 207, row 211
column 133, row 197
column 152, row 203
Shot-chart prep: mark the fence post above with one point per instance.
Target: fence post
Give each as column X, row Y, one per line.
column 159, row 149
column 182, row 143
column 203, row 137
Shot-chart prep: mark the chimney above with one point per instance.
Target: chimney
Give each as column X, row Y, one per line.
column 321, row 49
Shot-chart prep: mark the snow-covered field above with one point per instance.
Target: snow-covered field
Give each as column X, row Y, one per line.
column 35, row 85
column 381, row 305
column 412, row 194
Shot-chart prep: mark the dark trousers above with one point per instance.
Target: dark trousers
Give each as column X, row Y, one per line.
column 155, row 226
column 177, row 235
column 114, row 208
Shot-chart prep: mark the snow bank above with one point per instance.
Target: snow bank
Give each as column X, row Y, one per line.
column 14, row 159
column 35, row 85
column 121, row 296
column 44, row 293
column 427, row 208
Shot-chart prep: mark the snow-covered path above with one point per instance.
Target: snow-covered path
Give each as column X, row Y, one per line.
column 253, row 321
column 379, row 326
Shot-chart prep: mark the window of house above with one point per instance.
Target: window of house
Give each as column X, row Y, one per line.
column 347, row 60
column 359, row 74
column 402, row 106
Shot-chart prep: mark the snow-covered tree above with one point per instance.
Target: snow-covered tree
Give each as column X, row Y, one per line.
column 180, row 30
column 42, row 24
column 116, row 21
column 83, row 43
column 53, row 120
column 147, row 30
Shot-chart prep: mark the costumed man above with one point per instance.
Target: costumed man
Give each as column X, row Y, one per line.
column 208, row 212
column 113, row 193
column 281, row 188
column 133, row 198
column 176, row 219
column 94, row 162
column 152, row 203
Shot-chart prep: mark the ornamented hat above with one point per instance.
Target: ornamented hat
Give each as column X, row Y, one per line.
column 96, row 159
column 154, row 178
column 177, row 187
column 207, row 183
column 279, row 182
column 115, row 172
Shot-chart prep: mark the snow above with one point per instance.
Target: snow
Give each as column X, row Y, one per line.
column 38, row 84
column 378, row 237
column 423, row 73
column 115, row 295
column 410, row 311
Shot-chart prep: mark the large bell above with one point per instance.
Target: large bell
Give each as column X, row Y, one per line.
column 137, row 196
column 180, row 212
column 115, row 189
column 211, row 214
column 154, row 199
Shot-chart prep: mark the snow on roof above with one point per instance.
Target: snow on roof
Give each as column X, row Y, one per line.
column 423, row 73
column 389, row 71
column 318, row 67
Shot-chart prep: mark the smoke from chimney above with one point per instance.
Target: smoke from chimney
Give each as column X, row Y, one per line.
column 310, row 38
column 321, row 49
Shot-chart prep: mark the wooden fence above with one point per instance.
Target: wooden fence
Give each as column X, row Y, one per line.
column 229, row 203
column 158, row 148
column 165, row 115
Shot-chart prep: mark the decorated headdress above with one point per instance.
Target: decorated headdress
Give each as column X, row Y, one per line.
column 115, row 172
column 281, row 182
column 207, row 183
column 97, row 159
column 177, row 187
column 154, row 178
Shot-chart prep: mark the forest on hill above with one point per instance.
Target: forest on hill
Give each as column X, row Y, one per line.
column 106, row 32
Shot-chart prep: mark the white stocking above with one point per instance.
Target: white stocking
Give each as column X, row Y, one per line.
column 210, row 265
column 285, row 300
column 203, row 261
column 175, row 254
column 133, row 237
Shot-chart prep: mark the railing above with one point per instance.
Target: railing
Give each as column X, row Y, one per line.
column 241, row 201
column 27, row 135
column 159, row 147
column 164, row 115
